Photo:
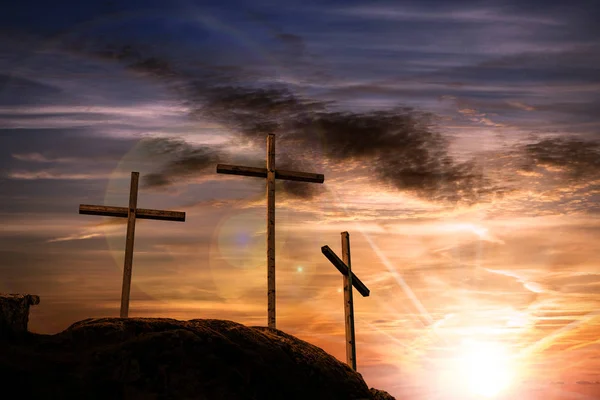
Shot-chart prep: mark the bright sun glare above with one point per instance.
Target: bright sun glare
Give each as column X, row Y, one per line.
column 485, row 368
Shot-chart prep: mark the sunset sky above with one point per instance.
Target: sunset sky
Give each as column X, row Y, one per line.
column 459, row 142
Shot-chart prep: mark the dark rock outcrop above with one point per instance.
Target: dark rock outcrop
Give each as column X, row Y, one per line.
column 148, row 358
column 14, row 314
column 380, row 395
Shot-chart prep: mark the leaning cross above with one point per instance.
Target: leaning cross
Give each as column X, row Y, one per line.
column 349, row 280
column 131, row 214
column 271, row 174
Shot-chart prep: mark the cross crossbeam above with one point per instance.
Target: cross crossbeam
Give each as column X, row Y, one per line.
column 344, row 270
column 262, row 173
column 271, row 174
column 123, row 212
column 131, row 213
column 349, row 280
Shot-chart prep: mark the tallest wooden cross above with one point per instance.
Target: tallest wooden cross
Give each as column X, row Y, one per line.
column 271, row 174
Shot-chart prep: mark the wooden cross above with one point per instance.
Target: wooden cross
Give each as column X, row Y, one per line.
column 349, row 280
column 131, row 214
column 271, row 174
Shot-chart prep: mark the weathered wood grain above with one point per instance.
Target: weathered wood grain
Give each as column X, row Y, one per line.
column 348, row 303
column 141, row 213
column 271, row 230
column 126, row 290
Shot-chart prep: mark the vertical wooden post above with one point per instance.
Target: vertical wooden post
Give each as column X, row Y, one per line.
column 348, row 303
column 271, row 229
column 133, row 194
column 271, row 174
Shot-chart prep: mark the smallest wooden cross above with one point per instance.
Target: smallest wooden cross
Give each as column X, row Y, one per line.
column 349, row 280
column 131, row 213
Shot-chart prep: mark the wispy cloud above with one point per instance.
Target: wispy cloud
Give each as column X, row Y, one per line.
column 534, row 287
column 457, row 15
column 109, row 227
column 76, row 237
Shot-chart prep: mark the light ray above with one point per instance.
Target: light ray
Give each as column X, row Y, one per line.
column 547, row 341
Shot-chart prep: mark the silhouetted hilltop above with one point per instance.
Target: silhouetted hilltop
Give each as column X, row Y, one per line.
column 157, row 358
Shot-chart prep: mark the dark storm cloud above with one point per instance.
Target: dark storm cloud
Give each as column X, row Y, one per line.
column 294, row 161
column 580, row 159
column 256, row 111
column 182, row 160
column 399, row 144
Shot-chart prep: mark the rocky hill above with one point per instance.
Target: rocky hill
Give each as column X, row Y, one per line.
column 152, row 358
